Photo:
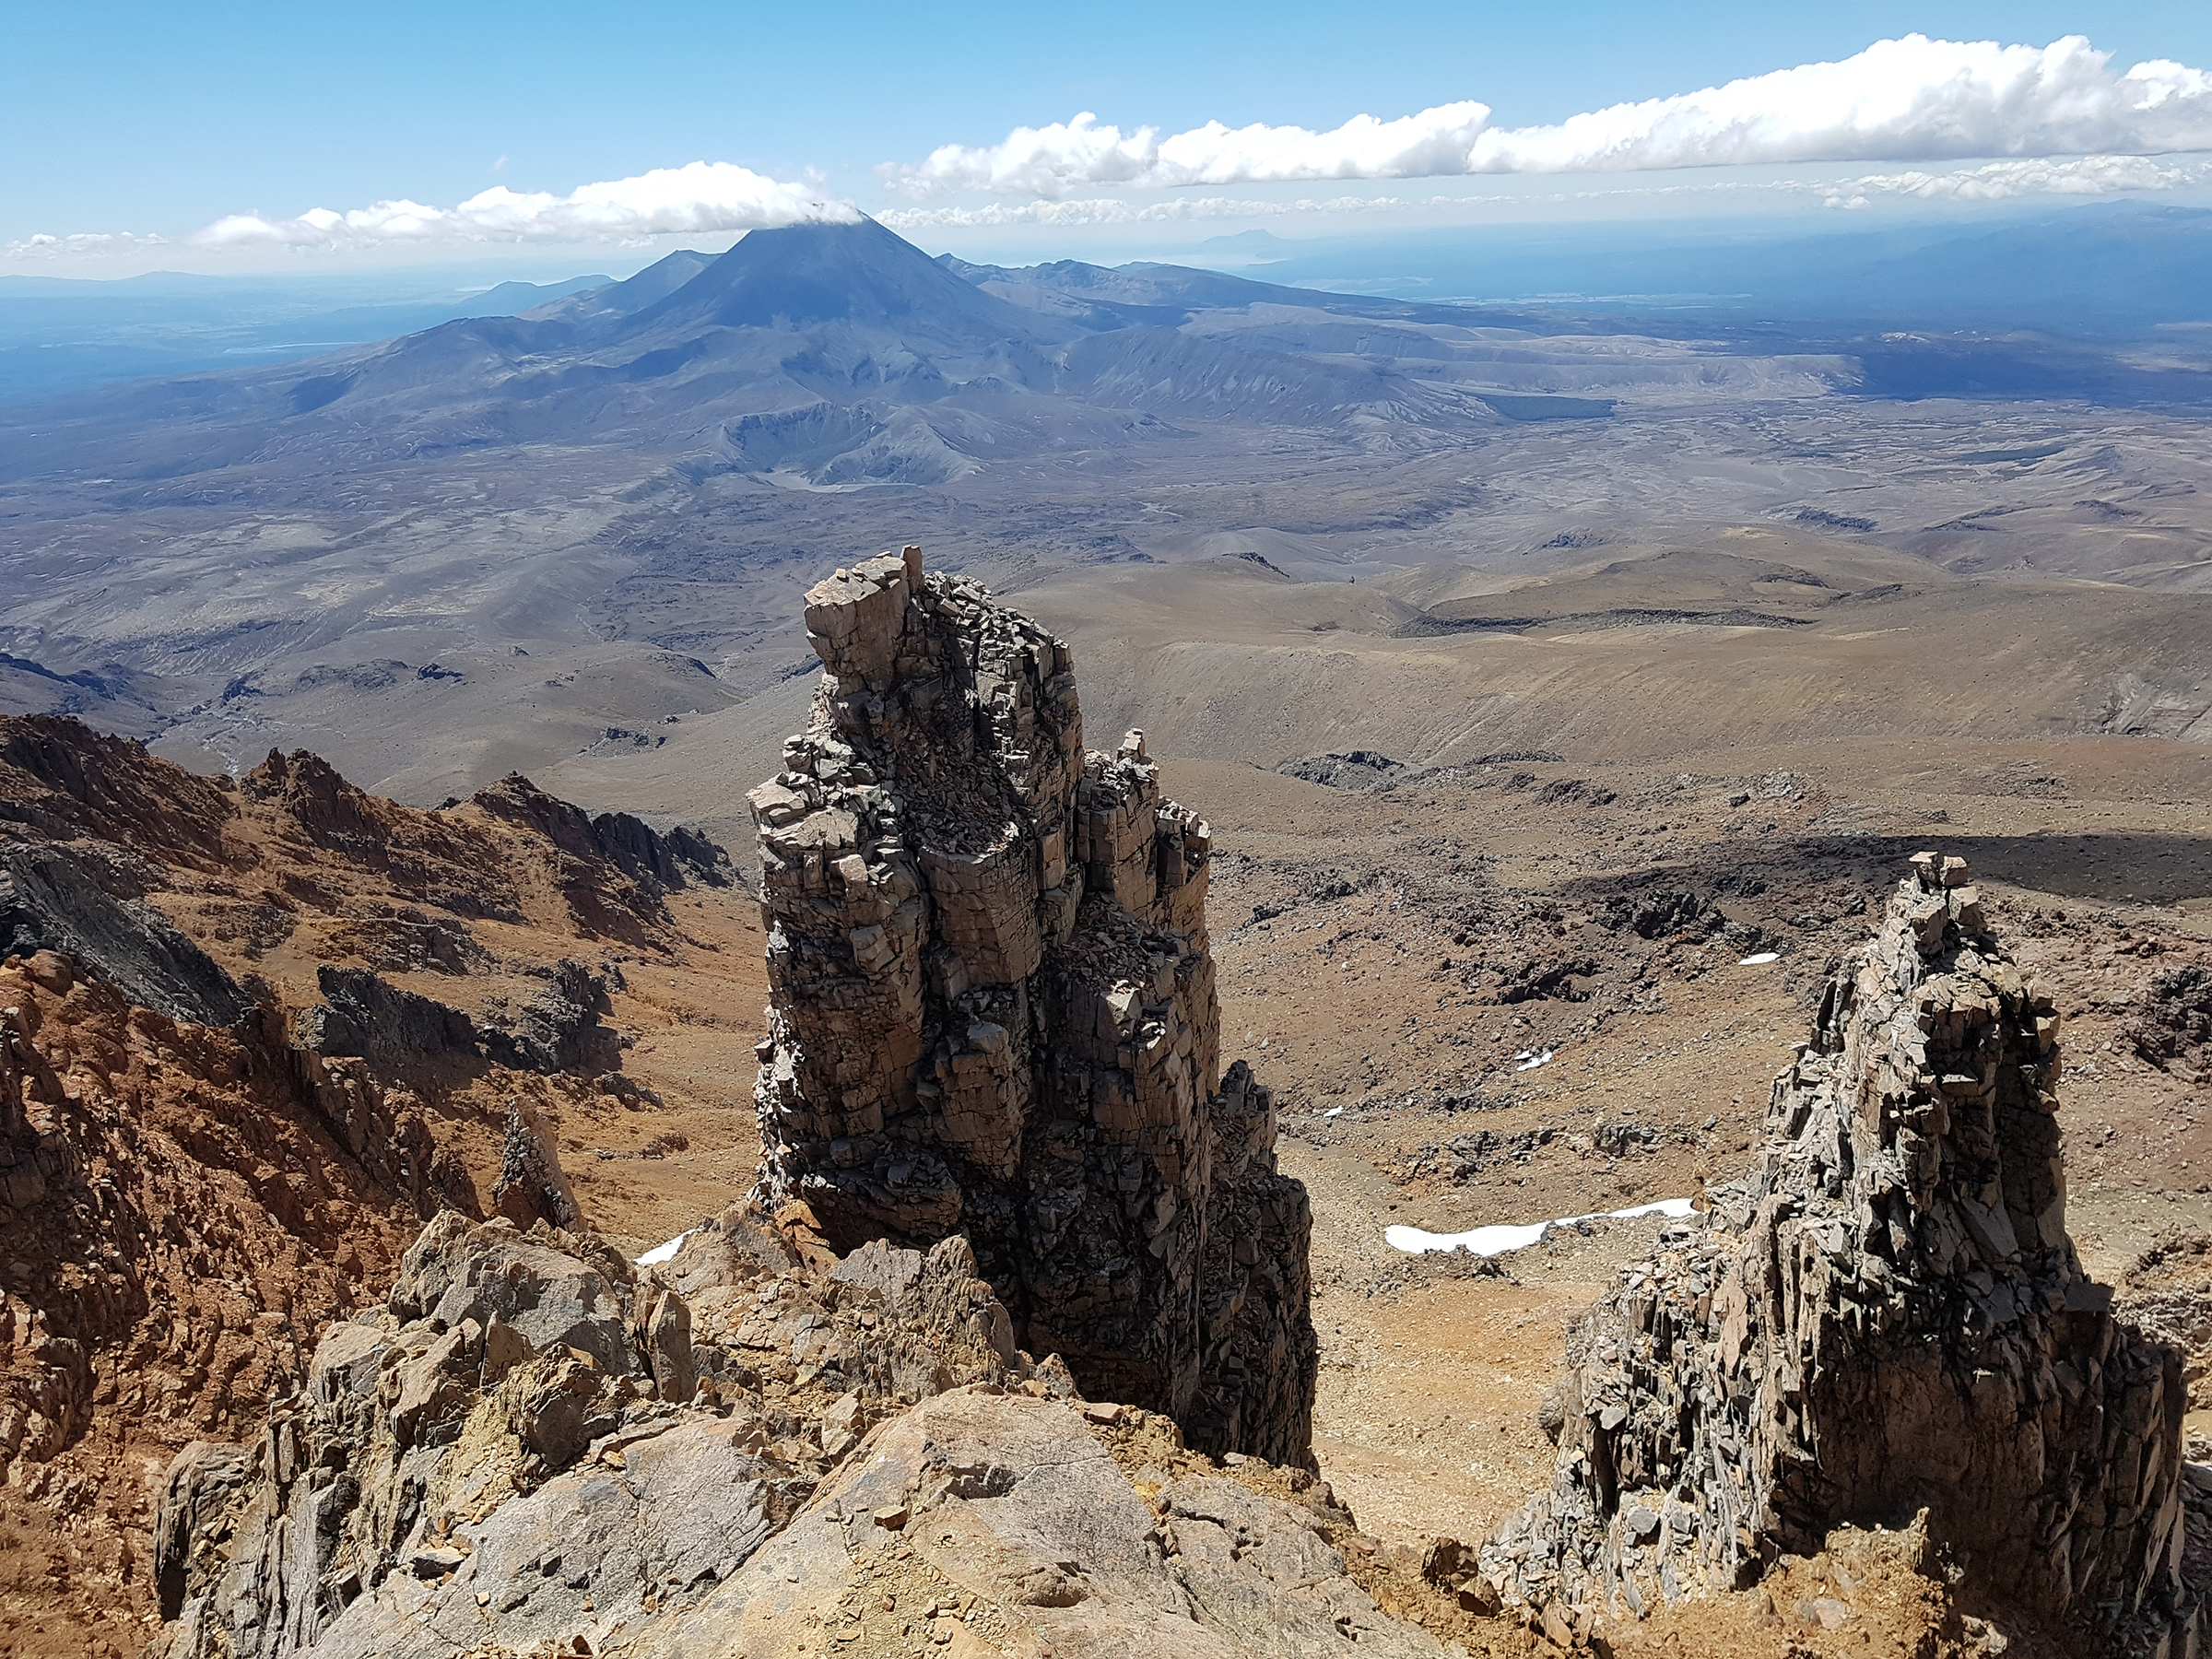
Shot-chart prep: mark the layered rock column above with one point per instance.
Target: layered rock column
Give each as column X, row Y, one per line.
column 1885, row 1315
column 993, row 1013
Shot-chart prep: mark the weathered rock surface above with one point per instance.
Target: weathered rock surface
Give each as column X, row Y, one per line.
column 90, row 906
column 174, row 1198
column 994, row 1012
column 556, row 1028
column 1011, row 1517
column 1884, row 1316
column 761, row 1450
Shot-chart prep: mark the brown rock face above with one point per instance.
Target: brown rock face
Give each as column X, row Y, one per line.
column 219, row 1124
column 993, row 1014
column 1884, row 1316
column 183, row 1207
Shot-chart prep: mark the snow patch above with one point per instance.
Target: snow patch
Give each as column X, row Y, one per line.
column 665, row 1253
column 1759, row 958
column 1497, row 1240
column 1528, row 1059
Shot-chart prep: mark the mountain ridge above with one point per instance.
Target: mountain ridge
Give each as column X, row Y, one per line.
column 844, row 315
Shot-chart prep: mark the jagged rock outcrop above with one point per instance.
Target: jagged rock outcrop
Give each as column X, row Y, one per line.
column 994, row 1012
column 1356, row 768
column 1662, row 915
column 675, row 859
column 2171, row 1025
column 1884, row 1316
column 88, row 903
column 61, row 780
column 756, row 1450
column 532, row 1185
column 555, row 1028
column 362, row 1015
column 291, row 845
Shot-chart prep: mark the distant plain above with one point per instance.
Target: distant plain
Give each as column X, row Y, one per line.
column 1276, row 519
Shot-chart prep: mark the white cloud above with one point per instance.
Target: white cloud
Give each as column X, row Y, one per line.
column 82, row 244
column 1109, row 210
column 702, row 197
column 1907, row 100
column 1049, row 161
column 2001, row 181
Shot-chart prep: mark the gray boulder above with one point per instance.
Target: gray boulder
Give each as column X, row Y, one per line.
column 457, row 1271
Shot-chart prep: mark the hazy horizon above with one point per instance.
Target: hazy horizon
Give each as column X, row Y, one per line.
column 1012, row 140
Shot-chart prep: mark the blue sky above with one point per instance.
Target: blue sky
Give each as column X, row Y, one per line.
column 161, row 120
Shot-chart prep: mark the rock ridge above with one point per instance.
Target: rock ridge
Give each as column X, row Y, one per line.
column 220, row 1124
column 993, row 1014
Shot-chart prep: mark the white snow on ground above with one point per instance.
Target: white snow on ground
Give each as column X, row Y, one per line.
column 1528, row 1059
column 1761, row 959
column 1496, row 1240
column 1332, row 1111
column 665, row 1253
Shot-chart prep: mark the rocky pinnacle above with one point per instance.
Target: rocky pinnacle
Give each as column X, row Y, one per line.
column 993, row 1014
column 1884, row 1316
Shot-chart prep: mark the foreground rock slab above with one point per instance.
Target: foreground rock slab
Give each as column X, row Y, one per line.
column 994, row 1013
column 1008, row 1518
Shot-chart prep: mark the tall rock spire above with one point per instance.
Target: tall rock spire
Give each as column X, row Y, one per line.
column 1884, row 1316
column 993, row 1014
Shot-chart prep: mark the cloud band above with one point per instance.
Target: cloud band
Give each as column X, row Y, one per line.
column 1909, row 100
column 698, row 199
column 1994, row 181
